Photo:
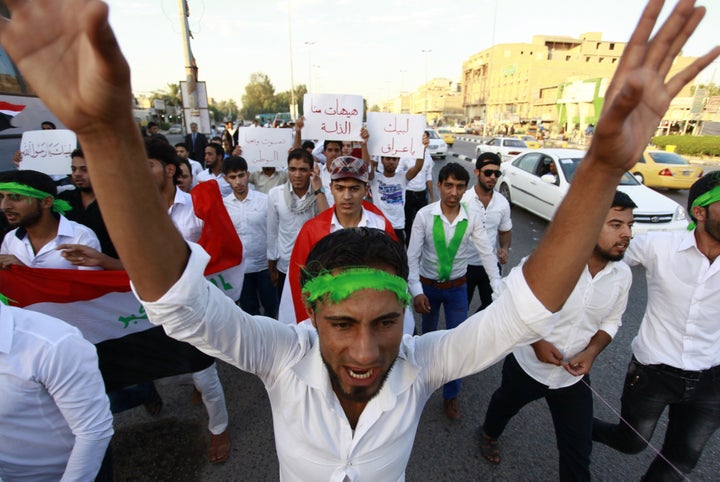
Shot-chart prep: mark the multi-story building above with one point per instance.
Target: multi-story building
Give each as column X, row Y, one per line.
column 555, row 81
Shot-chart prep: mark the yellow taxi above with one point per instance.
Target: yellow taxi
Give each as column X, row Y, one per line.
column 531, row 141
column 447, row 135
column 666, row 170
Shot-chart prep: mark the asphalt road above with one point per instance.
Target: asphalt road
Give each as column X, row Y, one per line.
column 172, row 446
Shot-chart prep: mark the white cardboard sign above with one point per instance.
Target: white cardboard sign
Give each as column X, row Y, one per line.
column 265, row 147
column 48, row 150
column 332, row 117
column 395, row 135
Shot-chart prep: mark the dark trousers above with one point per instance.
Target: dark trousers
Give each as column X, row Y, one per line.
column 258, row 290
column 400, row 235
column 281, row 284
column 478, row 279
column 571, row 409
column 414, row 200
column 694, row 400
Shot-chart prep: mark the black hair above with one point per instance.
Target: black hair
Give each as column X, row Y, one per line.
column 700, row 187
column 352, row 248
column 325, row 144
column 308, row 145
column 234, row 163
column 219, row 151
column 48, row 123
column 455, row 170
column 34, row 179
column 622, row 201
column 182, row 144
column 302, row 155
column 77, row 153
column 152, row 124
column 487, row 158
column 160, row 150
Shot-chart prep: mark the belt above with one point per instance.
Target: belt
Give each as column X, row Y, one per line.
column 444, row 285
column 691, row 374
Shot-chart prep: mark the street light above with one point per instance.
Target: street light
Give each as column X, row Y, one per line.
column 309, row 47
column 427, row 56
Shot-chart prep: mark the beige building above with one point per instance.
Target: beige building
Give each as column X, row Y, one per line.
column 557, row 81
column 439, row 99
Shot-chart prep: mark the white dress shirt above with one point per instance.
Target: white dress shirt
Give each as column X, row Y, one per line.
column 283, row 226
column 596, row 303
column 183, row 216
column 419, row 182
column 206, row 175
column 681, row 326
column 249, row 217
column 495, row 217
column 264, row 183
column 17, row 243
column 55, row 420
column 196, row 168
column 313, row 437
column 423, row 258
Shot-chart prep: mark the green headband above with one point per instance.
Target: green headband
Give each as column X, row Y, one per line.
column 59, row 206
column 705, row 199
column 338, row 287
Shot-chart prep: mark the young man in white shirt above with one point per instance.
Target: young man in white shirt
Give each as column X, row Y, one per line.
column 494, row 212
column 676, row 360
column 444, row 235
column 248, row 211
column 214, row 155
column 336, row 417
column 28, row 199
column 552, row 368
column 55, row 421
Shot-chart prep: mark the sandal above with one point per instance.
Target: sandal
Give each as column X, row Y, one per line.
column 219, row 450
column 489, row 449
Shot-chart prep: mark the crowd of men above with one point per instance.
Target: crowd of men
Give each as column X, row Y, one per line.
column 338, row 252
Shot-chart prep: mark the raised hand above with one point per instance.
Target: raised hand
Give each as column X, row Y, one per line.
column 639, row 93
column 70, row 41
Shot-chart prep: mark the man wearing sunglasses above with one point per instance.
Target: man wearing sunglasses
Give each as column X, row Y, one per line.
column 494, row 212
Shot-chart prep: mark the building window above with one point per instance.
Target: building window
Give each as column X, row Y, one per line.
column 587, row 59
column 567, row 58
column 600, row 60
column 612, row 46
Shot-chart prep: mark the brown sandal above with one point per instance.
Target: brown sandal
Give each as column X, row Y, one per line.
column 489, row 449
column 219, row 450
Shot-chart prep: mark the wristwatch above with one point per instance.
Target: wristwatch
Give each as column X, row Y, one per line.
column 321, row 190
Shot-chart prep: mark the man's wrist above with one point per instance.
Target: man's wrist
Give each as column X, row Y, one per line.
column 320, row 190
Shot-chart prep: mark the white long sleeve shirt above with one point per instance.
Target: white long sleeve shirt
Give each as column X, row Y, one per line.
column 596, row 303
column 313, row 437
column 422, row 255
column 249, row 217
column 495, row 217
column 283, row 226
column 55, row 421
column 681, row 326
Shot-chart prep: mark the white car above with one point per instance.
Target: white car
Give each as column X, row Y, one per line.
column 438, row 147
column 538, row 180
column 505, row 147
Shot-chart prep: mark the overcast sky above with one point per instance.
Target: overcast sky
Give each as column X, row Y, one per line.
column 369, row 47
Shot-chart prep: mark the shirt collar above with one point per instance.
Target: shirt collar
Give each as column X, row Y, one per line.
column 7, row 328
column 335, row 224
column 688, row 241
column 437, row 211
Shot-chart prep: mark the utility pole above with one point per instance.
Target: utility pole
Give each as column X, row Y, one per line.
column 293, row 102
column 191, row 69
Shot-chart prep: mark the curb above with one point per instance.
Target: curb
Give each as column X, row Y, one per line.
column 462, row 157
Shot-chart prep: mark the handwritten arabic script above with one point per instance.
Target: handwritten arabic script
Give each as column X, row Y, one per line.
column 332, row 116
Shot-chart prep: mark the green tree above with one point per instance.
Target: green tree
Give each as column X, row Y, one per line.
column 224, row 110
column 712, row 89
column 284, row 99
column 259, row 96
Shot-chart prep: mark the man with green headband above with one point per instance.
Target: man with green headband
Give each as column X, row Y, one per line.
column 28, row 200
column 346, row 397
column 676, row 354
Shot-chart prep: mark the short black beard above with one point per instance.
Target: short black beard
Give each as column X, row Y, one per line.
column 84, row 189
column 360, row 397
column 607, row 256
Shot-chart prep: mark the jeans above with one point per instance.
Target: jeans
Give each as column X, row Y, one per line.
column 258, row 290
column 478, row 279
column 694, row 400
column 455, row 303
column 571, row 409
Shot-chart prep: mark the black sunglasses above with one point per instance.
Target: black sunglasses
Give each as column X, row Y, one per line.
column 490, row 172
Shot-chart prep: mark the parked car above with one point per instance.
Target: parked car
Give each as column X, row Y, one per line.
column 447, row 136
column 175, row 129
column 665, row 169
column 505, row 147
column 438, row 147
column 538, row 180
column 531, row 141
column 458, row 129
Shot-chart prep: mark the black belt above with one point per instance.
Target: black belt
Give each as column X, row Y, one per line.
column 691, row 374
column 444, row 285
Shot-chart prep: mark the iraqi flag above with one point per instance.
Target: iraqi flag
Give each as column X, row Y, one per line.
column 8, row 111
column 100, row 303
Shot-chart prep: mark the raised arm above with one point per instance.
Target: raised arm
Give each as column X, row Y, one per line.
column 75, row 65
column 635, row 101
